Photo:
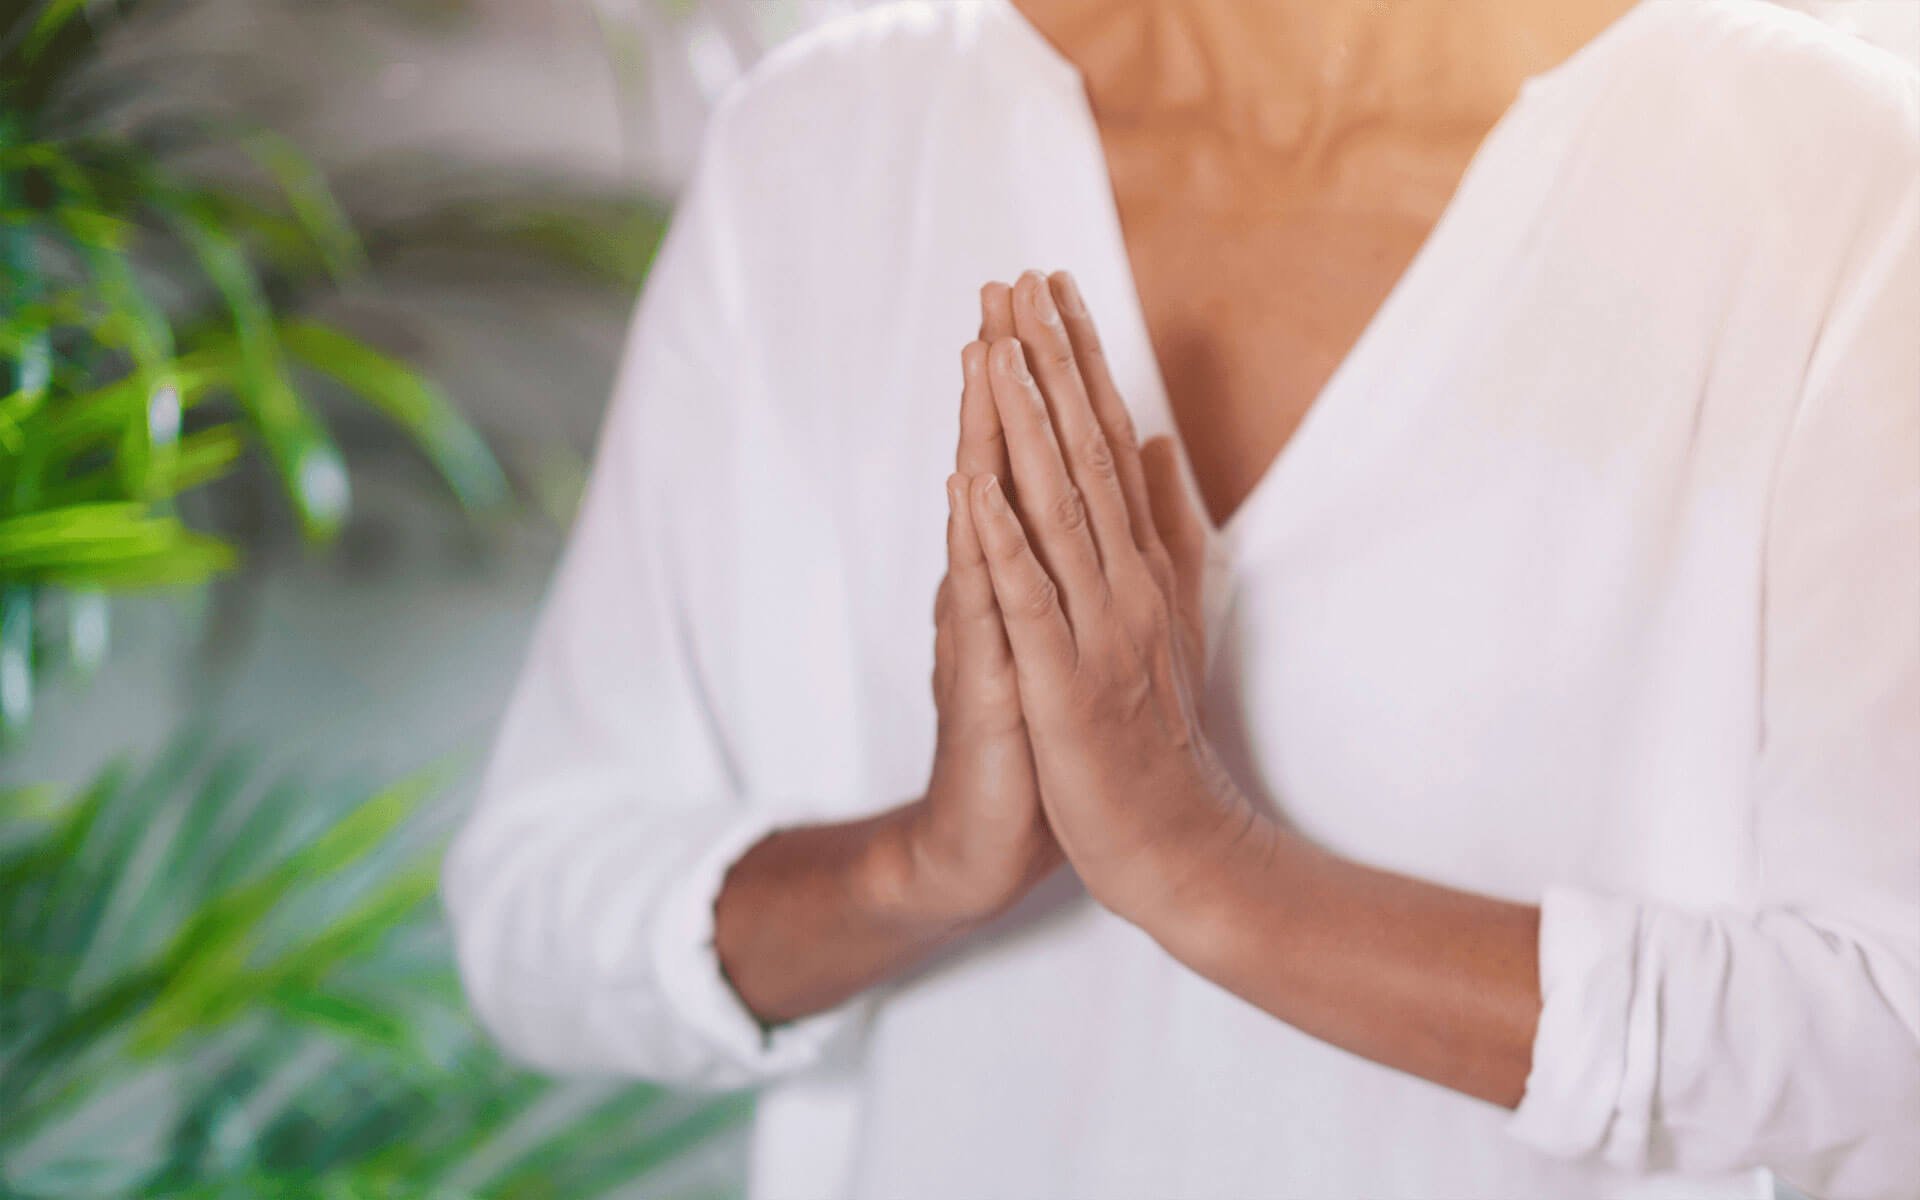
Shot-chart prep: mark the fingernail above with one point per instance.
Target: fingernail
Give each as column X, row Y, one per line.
column 1043, row 303
column 1070, row 297
column 992, row 296
column 996, row 499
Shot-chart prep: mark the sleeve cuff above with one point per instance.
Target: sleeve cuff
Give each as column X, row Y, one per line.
column 1582, row 1051
column 698, row 994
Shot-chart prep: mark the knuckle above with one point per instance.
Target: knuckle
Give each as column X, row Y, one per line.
column 1006, row 549
column 1097, row 455
column 973, row 604
column 1057, row 355
column 1150, row 615
column 1135, row 700
column 1159, row 614
column 994, row 692
column 1159, row 564
column 1093, row 696
column 1038, row 599
column 1069, row 510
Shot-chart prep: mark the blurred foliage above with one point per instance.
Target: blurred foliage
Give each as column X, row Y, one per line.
column 212, row 984
column 214, row 987
column 605, row 239
column 149, row 341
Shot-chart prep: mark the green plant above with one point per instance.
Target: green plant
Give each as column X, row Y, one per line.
column 210, row 987
column 213, row 988
column 149, row 340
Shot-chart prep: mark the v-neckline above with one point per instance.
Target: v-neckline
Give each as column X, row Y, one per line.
column 1229, row 540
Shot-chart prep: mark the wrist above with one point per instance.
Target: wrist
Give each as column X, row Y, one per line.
column 1224, row 879
column 907, row 877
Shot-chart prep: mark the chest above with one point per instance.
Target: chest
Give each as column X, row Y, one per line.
column 1256, row 279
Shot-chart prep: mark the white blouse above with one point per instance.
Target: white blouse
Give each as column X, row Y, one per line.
column 1592, row 579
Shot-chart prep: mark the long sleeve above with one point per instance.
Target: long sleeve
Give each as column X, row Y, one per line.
column 1787, row 1035
column 581, row 888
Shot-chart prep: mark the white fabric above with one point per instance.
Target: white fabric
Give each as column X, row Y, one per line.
column 1592, row 579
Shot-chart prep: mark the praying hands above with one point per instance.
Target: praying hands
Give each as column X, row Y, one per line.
column 1074, row 560
column 1076, row 557
column 1069, row 659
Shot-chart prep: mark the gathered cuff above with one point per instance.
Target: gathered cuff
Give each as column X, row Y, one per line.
column 696, row 988
column 1581, row 1053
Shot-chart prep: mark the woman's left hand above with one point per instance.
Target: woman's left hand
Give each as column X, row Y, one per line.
column 1096, row 561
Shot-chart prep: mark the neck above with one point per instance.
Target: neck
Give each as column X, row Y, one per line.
column 1283, row 70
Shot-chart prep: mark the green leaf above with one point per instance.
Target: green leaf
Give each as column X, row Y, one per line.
column 115, row 545
column 220, row 985
column 334, row 1060
column 418, row 407
column 613, row 1119
column 29, row 877
column 96, row 856
column 84, row 1030
column 314, row 205
column 16, row 655
column 364, row 1020
column 297, row 441
column 53, row 17
column 212, row 975
column 623, row 1159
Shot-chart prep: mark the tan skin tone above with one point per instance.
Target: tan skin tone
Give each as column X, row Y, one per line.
column 1067, row 630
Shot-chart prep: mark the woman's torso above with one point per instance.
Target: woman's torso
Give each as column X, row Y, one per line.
column 1490, row 618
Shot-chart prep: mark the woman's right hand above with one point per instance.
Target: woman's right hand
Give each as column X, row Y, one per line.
column 813, row 914
column 979, row 838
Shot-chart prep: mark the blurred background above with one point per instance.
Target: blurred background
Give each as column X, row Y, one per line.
column 309, row 316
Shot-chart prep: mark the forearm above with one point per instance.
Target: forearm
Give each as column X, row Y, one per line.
column 811, row 916
column 1439, row 983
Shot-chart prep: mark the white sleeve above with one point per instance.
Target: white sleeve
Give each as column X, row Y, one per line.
column 581, row 888
column 1786, row 1035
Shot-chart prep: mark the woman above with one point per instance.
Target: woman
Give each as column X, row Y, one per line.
column 1509, row 787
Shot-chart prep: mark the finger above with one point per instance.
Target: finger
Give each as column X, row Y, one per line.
column 996, row 313
column 1051, row 506
column 1037, row 323
column 1108, row 408
column 940, row 592
column 942, row 628
column 972, row 612
column 983, row 448
column 1029, row 602
column 1178, row 521
column 943, row 665
column 983, row 444
column 980, row 424
column 969, row 586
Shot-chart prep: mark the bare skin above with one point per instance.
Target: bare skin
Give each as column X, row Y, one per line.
column 810, row 916
column 1276, row 165
column 1435, row 982
column 1251, row 306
